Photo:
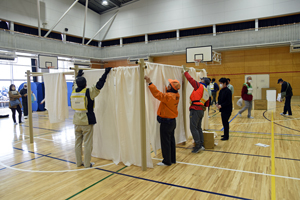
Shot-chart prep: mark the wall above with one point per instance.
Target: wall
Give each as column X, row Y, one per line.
column 147, row 16
column 278, row 62
column 25, row 12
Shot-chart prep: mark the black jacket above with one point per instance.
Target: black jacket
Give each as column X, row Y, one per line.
column 225, row 100
column 289, row 90
column 23, row 92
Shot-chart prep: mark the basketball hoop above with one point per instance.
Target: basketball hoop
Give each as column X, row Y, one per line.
column 51, row 67
column 197, row 61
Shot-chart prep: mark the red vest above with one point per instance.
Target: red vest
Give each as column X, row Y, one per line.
column 197, row 96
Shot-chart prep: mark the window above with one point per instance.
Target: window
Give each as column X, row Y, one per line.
column 5, row 72
column 23, row 64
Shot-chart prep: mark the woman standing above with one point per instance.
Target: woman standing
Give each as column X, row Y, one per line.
column 14, row 103
column 225, row 106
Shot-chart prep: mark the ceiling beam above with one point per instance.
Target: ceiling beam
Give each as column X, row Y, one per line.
column 115, row 3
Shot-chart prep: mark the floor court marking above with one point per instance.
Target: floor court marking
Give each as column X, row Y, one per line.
column 94, row 184
column 289, row 119
column 230, row 121
column 243, row 154
column 150, row 180
column 235, row 170
column 24, row 161
column 262, row 133
column 279, row 124
column 61, row 171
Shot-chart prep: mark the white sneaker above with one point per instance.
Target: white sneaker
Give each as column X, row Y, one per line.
column 282, row 114
column 161, row 164
column 240, row 115
column 251, row 117
column 16, row 123
column 25, row 117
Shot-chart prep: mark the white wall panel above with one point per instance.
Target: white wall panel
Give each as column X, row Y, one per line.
column 147, row 16
column 25, row 12
column 192, row 13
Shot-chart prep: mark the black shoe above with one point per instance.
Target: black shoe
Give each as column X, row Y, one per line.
column 222, row 135
column 225, row 138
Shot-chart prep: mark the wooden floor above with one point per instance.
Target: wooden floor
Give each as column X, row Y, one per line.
column 235, row 169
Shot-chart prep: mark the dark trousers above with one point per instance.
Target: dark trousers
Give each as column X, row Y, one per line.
column 167, row 141
column 25, row 108
column 195, row 126
column 214, row 96
column 225, row 121
column 13, row 110
column 287, row 105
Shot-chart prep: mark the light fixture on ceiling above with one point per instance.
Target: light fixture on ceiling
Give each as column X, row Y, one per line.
column 104, row 3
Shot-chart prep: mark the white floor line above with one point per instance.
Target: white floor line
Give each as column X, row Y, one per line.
column 261, row 122
column 234, row 170
column 36, row 171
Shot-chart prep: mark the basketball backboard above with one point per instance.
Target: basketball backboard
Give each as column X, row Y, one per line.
column 47, row 62
column 194, row 53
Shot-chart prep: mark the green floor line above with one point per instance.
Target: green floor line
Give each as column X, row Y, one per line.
column 94, row 184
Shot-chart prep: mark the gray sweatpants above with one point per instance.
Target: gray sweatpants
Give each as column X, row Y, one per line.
column 248, row 105
column 195, row 126
column 83, row 133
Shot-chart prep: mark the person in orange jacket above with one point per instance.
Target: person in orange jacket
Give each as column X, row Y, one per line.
column 166, row 114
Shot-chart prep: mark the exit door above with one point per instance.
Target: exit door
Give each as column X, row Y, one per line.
column 258, row 82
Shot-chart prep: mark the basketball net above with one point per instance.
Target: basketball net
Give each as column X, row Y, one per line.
column 197, row 61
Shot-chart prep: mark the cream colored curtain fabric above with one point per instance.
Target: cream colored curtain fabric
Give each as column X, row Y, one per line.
column 159, row 75
column 117, row 109
column 56, row 97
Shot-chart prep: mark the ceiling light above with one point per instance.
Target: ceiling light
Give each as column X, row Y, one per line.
column 104, row 3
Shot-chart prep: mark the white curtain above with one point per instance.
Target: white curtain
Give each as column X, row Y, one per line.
column 117, row 109
column 159, row 75
column 56, row 97
column 205, row 121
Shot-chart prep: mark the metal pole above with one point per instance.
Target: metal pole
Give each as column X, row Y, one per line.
column 86, row 7
column 61, row 18
column 29, row 106
column 101, row 28
column 39, row 17
column 76, row 70
column 143, row 116
column 108, row 28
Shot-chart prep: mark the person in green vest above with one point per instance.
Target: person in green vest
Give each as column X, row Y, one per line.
column 247, row 96
column 230, row 87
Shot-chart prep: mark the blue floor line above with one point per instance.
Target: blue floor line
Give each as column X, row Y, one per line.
column 46, row 155
column 230, row 121
column 150, row 180
column 174, row 185
column 25, row 161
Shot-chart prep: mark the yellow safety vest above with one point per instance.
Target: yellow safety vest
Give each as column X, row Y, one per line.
column 79, row 100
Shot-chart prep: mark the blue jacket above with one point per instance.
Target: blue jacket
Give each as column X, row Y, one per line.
column 216, row 88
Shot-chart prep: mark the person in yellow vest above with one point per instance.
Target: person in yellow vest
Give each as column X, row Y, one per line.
column 166, row 116
column 199, row 101
column 82, row 101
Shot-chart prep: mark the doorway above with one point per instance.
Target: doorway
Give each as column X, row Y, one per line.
column 258, row 82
